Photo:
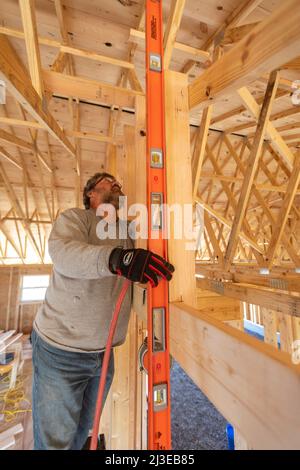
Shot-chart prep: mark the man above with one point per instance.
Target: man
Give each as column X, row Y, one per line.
column 71, row 327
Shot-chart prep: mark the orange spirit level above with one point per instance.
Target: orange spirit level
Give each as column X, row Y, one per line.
column 159, row 415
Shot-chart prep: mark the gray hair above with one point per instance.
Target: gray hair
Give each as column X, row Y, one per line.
column 90, row 184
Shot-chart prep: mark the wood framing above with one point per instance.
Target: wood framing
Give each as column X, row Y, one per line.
column 277, row 299
column 283, row 278
column 32, row 46
column 179, row 187
column 276, row 139
column 17, row 207
column 273, row 42
column 89, row 90
column 173, row 24
column 252, row 165
column 199, row 149
column 12, row 139
column 227, row 223
column 198, row 55
column 284, row 211
column 13, row 73
column 72, row 102
column 221, row 360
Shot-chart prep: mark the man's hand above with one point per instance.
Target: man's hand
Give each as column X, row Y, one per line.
column 140, row 265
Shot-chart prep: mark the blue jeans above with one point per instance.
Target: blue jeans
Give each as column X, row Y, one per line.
column 64, row 392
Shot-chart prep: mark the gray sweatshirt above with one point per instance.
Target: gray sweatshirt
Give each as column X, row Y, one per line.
column 82, row 293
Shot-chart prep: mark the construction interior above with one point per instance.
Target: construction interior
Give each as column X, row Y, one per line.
column 72, row 84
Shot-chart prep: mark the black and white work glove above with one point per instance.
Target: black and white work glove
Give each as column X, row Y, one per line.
column 140, row 265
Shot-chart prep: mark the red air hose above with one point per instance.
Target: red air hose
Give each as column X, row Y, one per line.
column 94, row 440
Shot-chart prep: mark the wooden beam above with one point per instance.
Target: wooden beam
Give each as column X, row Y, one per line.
column 19, row 123
column 276, row 140
column 279, row 300
column 221, row 359
column 240, row 109
column 199, row 149
column 269, row 319
column 130, row 173
column 12, row 139
column 97, row 57
column 179, row 183
column 64, row 49
column 95, row 136
column 60, row 62
column 173, row 24
column 233, row 35
column 111, row 151
column 28, row 220
column 134, row 81
column 211, row 233
column 89, row 90
column 11, row 241
column 284, row 211
column 140, row 158
column 59, row 10
column 27, row 8
column 251, row 168
column 9, row 158
column 279, row 278
column 228, row 224
column 15, row 33
column 197, row 55
column 237, row 15
column 273, row 42
column 218, row 306
column 15, row 76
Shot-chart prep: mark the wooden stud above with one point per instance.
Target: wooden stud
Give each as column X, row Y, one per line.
column 179, row 182
column 27, row 8
column 270, row 326
column 199, row 149
column 221, row 359
column 173, row 24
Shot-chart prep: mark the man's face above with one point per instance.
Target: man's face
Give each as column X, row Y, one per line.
column 106, row 191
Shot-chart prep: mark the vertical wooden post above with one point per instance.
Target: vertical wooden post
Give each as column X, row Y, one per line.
column 140, row 156
column 269, row 319
column 9, row 298
column 141, row 198
column 285, row 326
column 179, row 183
column 130, row 152
column 112, row 160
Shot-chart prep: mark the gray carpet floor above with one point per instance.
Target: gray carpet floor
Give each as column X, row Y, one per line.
column 196, row 424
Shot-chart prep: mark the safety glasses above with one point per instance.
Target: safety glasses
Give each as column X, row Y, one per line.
column 110, row 180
